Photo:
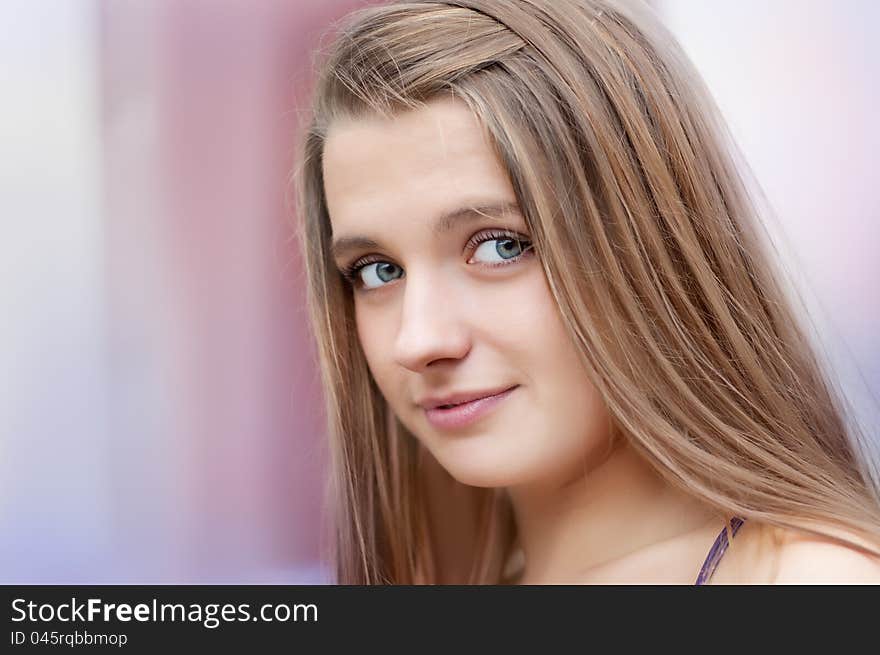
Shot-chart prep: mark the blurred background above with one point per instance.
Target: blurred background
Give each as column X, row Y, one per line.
column 160, row 414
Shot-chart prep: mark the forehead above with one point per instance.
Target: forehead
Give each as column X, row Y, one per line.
column 416, row 164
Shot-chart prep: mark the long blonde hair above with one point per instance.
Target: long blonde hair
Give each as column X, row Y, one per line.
column 652, row 248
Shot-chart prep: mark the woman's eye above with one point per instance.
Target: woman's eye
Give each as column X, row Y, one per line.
column 492, row 250
column 500, row 251
column 377, row 273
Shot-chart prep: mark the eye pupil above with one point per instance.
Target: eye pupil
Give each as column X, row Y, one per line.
column 507, row 247
column 386, row 271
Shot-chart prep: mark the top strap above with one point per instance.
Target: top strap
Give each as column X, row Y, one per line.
column 717, row 551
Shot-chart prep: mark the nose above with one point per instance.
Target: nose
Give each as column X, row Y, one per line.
column 432, row 326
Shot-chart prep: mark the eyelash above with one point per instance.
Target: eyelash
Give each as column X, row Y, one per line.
column 351, row 271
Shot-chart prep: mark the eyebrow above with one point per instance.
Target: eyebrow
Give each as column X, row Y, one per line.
column 442, row 224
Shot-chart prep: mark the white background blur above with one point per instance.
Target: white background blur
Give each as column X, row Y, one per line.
column 160, row 417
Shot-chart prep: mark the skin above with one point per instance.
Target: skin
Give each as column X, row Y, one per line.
column 441, row 319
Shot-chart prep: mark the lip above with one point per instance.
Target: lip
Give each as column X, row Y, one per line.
column 465, row 413
column 462, row 397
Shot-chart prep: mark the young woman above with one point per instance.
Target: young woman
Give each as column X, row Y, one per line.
column 554, row 345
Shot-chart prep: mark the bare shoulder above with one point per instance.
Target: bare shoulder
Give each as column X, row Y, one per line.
column 807, row 559
column 763, row 554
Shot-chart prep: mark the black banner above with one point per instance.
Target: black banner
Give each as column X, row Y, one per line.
column 178, row 618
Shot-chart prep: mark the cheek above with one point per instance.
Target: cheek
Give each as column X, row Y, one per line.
column 376, row 333
column 574, row 419
column 373, row 339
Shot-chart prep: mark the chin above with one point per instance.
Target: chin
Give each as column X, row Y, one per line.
column 484, row 479
column 492, row 469
column 510, row 468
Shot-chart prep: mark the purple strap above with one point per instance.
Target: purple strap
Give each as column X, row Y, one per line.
column 717, row 551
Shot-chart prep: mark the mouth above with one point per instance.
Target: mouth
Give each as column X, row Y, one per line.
column 462, row 398
column 460, row 414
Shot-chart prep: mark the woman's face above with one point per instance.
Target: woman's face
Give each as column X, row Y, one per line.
column 449, row 301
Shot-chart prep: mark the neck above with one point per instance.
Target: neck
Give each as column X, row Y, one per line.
column 617, row 507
